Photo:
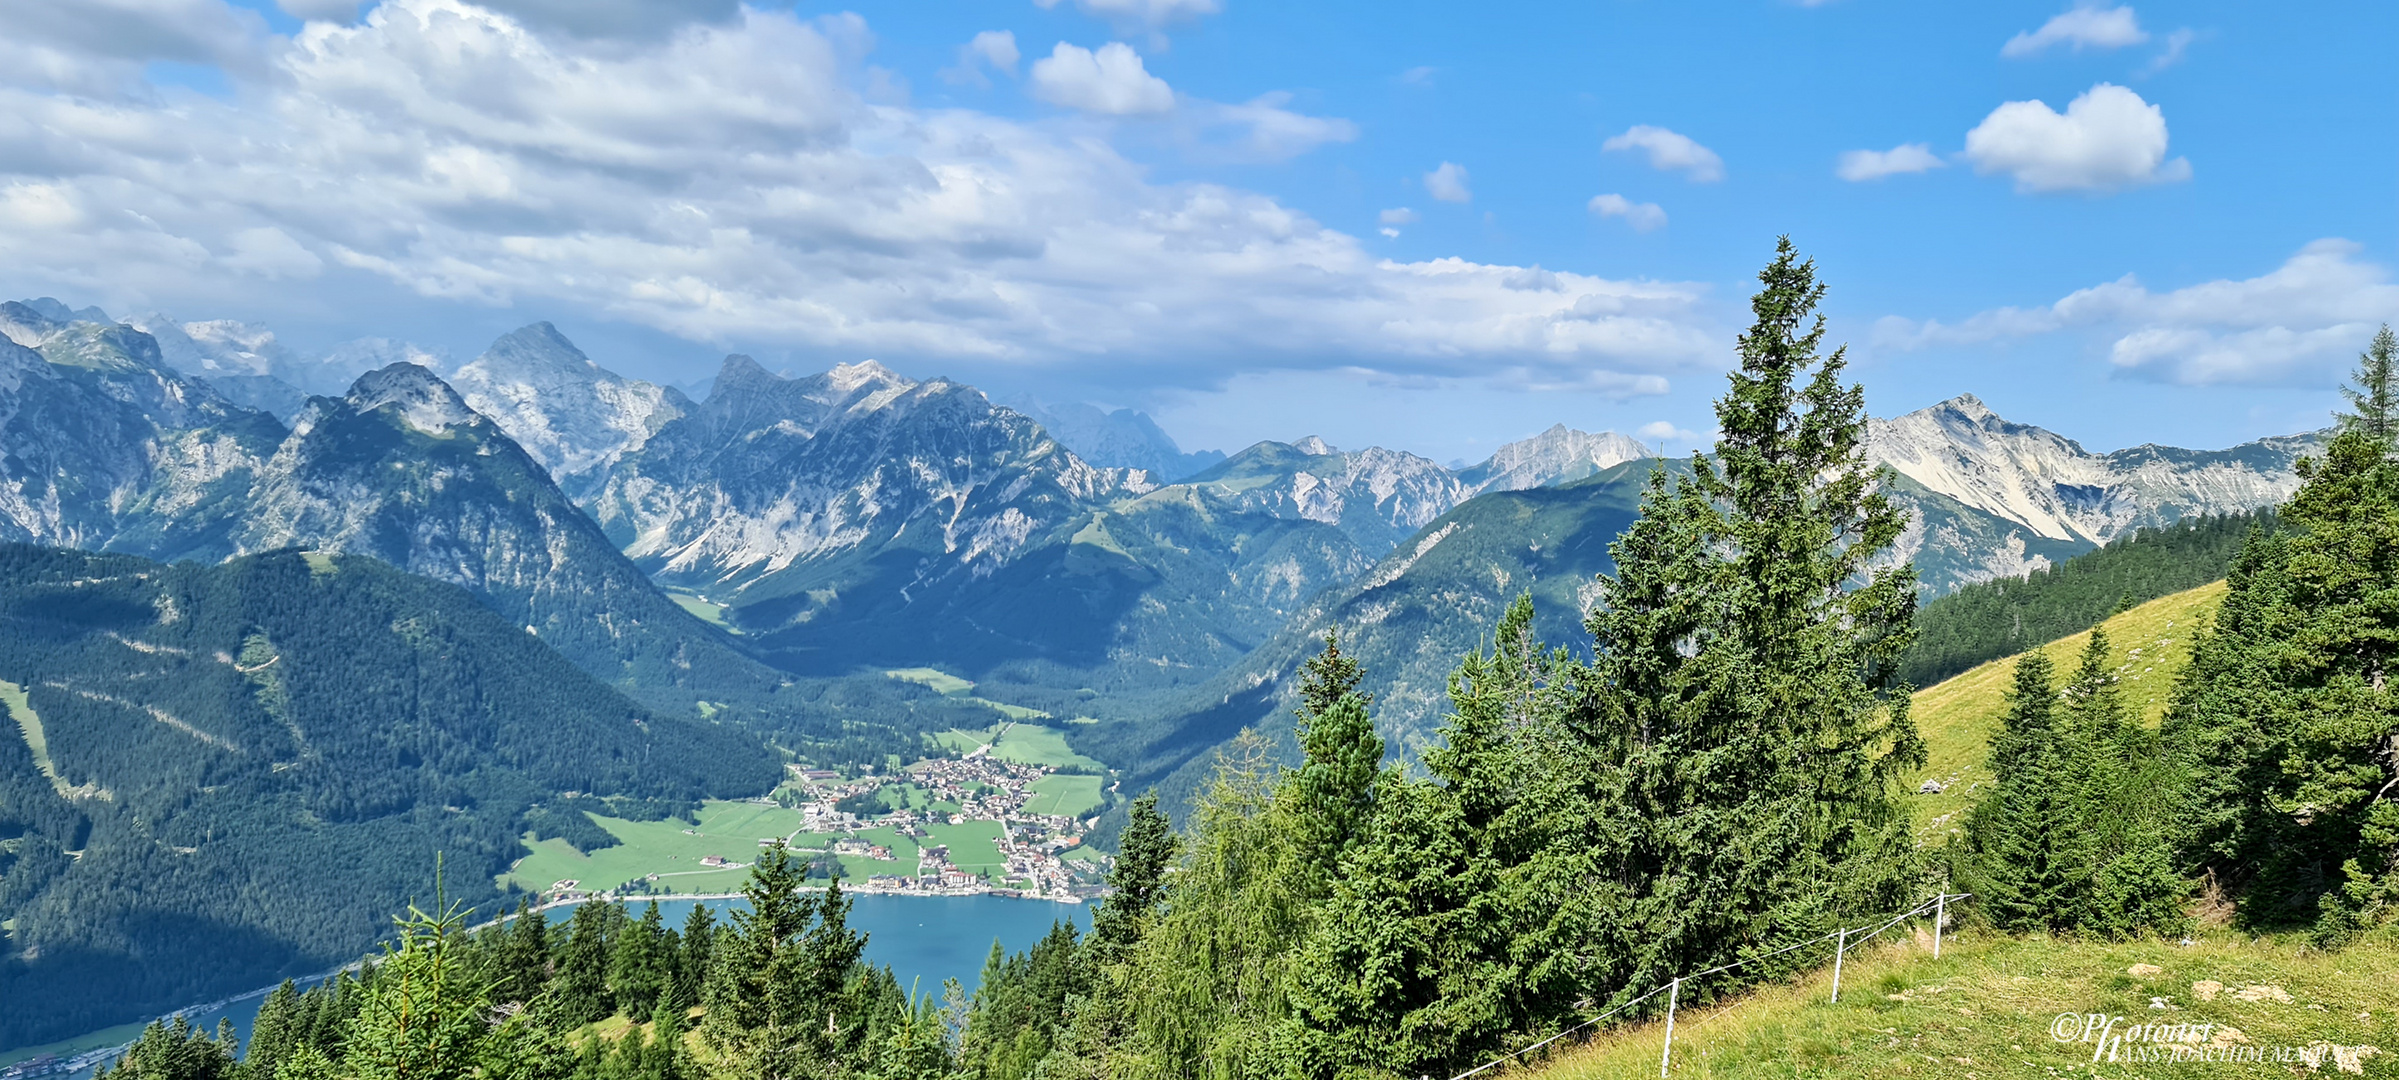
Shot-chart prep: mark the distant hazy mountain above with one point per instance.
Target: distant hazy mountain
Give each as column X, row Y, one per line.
column 1120, row 438
column 1376, row 496
column 246, row 364
column 1555, row 456
column 572, row 415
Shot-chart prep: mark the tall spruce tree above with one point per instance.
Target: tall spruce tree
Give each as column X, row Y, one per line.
column 792, row 997
column 581, row 982
column 1138, row 879
column 1746, row 644
column 2374, row 397
column 2286, row 724
column 2025, row 839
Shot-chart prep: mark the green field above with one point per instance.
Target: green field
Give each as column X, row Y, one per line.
column 973, row 845
column 951, row 686
column 30, row 726
column 711, row 613
column 732, row 830
column 1073, row 796
column 1024, row 744
column 2150, row 643
column 1984, row 1009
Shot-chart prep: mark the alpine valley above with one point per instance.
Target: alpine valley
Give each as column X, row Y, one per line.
column 262, row 614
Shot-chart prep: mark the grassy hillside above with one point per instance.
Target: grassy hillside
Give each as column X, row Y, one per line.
column 1985, row 1009
column 2150, row 643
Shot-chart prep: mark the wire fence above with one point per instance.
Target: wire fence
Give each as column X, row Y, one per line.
column 1673, row 988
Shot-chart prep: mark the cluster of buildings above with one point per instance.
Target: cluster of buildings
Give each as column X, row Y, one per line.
column 983, row 788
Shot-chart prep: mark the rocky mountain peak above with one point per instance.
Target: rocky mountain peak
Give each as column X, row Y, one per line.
column 26, row 325
column 1554, row 456
column 1314, row 446
column 849, row 378
column 538, row 347
column 416, row 395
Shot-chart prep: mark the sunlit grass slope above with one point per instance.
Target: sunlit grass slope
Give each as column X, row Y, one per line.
column 1986, row 1007
column 2149, row 644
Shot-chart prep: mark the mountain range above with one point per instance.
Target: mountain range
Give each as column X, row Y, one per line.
column 741, row 573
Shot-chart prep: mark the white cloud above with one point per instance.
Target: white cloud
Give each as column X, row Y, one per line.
column 729, row 184
column 997, row 48
column 1111, row 80
column 1664, row 431
column 992, row 49
column 1862, row 165
column 2177, row 44
column 2086, row 26
column 1274, row 133
column 1448, row 183
column 1641, row 216
column 2298, row 324
column 1397, row 215
column 2108, row 138
column 1670, row 151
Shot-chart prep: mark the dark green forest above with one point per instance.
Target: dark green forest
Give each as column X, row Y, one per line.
column 249, row 766
column 1981, row 623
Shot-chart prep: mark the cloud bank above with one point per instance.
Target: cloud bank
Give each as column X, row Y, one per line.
column 729, row 182
column 2297, row 325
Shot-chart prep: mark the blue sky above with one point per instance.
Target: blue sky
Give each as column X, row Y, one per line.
column 1183, row 205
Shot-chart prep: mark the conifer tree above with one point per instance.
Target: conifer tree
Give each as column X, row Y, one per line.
column 274, row 1032
column 176, row 1051
column 581, row 982
column 2374, row 397
column 792, row 998
column 691, row 964
column 2025, row 835
column 1138, row 879
column 2286, row 724
column 1746, row 644
column 639, row 967
column 525, row 957
column 1331, row 797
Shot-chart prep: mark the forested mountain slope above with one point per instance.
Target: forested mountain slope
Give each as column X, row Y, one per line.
column 216, row 775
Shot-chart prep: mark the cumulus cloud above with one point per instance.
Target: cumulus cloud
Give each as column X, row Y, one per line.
column 2086, row 26
column 729, row 183
column 2107, row 139
column 1862, row 165
column 1670, row 151
column 616, row 18
column 1448, row 183
column 2299, row 323
column 1641, row 216
column 1111, row 80
column 993, row 50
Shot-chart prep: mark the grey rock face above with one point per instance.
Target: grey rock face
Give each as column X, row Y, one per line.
column 572, row 415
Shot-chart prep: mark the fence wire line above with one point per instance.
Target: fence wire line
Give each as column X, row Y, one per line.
column 1654, row 991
